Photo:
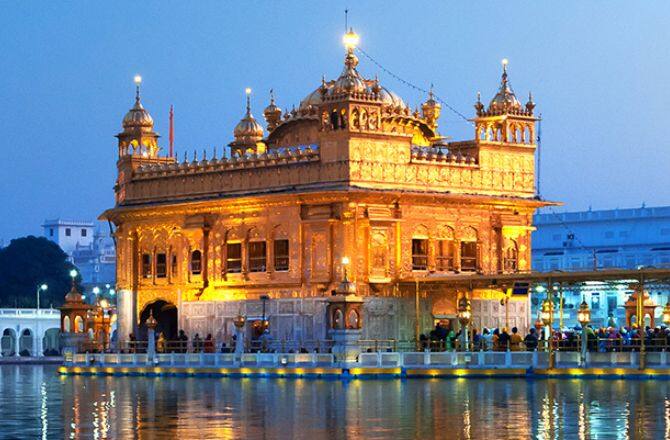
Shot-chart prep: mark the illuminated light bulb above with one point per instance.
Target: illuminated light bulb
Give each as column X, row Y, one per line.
column 73, row 273
column 350, row 39
column 44, row 287
column 137, row 80
column 247, row 90
column 345, row 260
column 505, row 62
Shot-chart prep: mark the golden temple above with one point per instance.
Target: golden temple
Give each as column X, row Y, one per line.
column 351, row 172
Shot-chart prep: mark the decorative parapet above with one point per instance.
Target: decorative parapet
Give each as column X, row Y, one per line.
column 442, row 155
column 274, row 157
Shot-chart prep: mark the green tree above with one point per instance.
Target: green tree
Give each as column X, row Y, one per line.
column 28, row 262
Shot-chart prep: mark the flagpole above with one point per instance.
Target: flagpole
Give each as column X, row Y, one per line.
column 171, row 135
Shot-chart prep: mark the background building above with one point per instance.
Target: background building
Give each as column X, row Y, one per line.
column 89, row 248
column 605, row 239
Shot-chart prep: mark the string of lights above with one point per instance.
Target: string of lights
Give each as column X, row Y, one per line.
column 413, row 86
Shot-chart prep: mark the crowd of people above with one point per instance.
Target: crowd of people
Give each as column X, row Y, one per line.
column 445, row 338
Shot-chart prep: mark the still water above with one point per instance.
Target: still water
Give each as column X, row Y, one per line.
column 36, row 403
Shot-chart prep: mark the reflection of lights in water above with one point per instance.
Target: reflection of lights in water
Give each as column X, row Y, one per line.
column 581, row 417
column 467, row 428
column 666, row 404
column 43, row 410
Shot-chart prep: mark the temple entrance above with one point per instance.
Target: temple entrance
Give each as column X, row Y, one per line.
column 166, row 315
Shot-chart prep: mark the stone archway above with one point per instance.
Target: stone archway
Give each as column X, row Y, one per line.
column 8, row 342
column 26, row 343
column 165, row 314
column 51, row 342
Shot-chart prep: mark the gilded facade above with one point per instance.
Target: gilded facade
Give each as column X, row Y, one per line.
column 351, row 172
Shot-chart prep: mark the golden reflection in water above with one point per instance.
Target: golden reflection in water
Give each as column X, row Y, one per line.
column 147, row 408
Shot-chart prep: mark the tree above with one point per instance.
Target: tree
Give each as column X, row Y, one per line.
column 27, row 263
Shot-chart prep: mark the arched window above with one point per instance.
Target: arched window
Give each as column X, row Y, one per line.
column 146, row 265
column 355, row 121
column 419, row 253
column 353, row 320
column 78, row 324
column 196, row 262
column 469, row 250
column 334, row 120
column 511, row 256
column 338, row 319
column 66, row 324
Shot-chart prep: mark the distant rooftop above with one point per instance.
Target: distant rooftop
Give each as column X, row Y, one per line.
column 602, row 215
column 63, row 222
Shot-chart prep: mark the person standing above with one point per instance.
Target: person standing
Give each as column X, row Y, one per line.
column 515, row 340
column 530, row 341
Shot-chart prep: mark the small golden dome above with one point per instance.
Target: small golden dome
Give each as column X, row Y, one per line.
column 505, row 100
column 138, row 117
column 248, row 129
column 272, row 113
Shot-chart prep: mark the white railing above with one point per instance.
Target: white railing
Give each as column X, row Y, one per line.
column 470, row 360
column 26, row 313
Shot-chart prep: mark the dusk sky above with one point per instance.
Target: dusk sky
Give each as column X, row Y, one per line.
column 598, row 71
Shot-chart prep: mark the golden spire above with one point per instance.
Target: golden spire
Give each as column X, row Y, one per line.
column 137, row 117
column 272, row 113
column 504, row 101
column 138, row 81
column 248, row 131
column 431, row 109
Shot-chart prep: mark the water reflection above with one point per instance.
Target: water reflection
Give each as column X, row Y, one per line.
column 35, row 402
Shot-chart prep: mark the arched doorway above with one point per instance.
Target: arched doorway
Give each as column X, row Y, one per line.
column 51, row 342
column 26, row 343
column 165, row 314
column 8, row 342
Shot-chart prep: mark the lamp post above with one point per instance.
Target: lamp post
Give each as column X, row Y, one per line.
column 584, row 317
column 41, row 288
column 464, row 317
column 264, row 323
column 239, row 322
column 666, row 313
column 547, row 316
column 151, row 324
column 104, row 307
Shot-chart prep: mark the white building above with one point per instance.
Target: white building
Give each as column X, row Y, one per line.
column 601, row 240
column 29, row 331
column 69, row 235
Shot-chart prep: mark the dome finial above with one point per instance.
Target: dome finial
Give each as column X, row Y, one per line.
column 248, row 93
column 350, row 40
column 504, row 63
column 138, row 81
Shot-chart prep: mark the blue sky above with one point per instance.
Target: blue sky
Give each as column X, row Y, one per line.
column 597, row 69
